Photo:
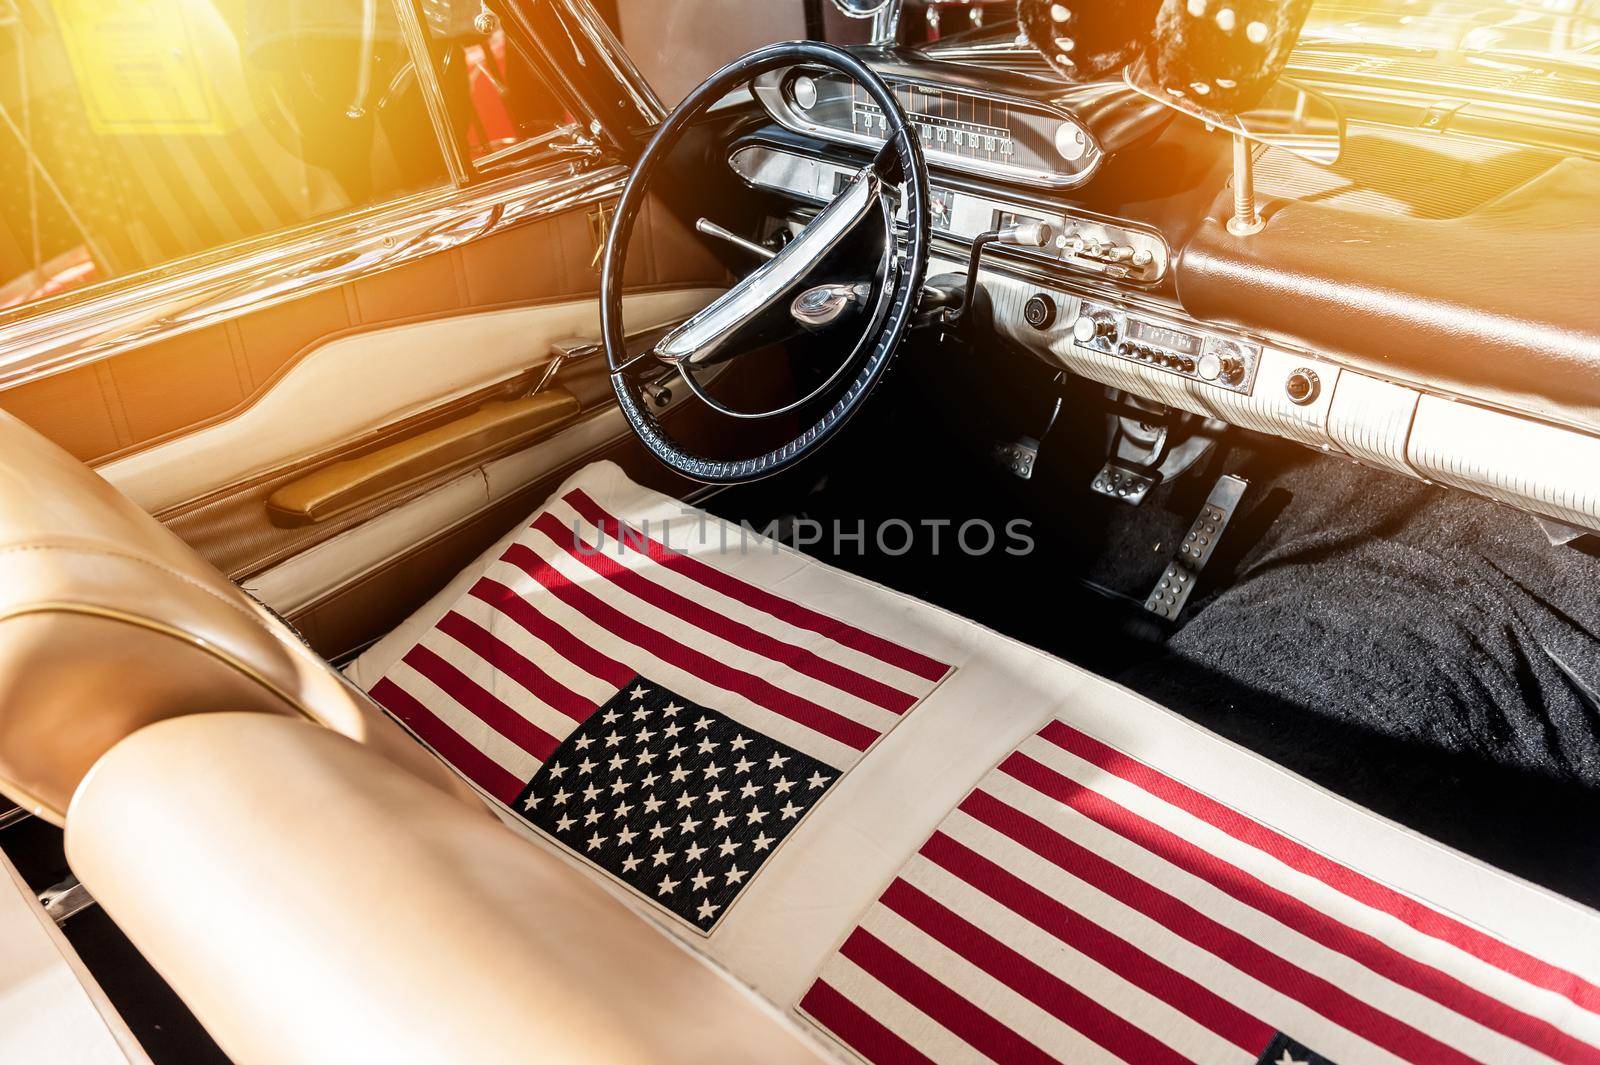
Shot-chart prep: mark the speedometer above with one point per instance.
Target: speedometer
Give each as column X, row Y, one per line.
column 989, row 134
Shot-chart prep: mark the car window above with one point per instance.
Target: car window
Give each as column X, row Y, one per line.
column 134, row 133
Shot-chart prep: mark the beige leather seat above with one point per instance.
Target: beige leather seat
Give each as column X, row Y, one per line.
column 263, row 861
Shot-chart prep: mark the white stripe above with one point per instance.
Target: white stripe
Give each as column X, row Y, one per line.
column 1383, row 994
column 528, row 707
column 896, row 1014
column 1389, row 930
column 823, row 748
column 631, row 554
column 710, row 644
column 1121, row 998
column 1149, row 935
column 513, row 759
column 502, row 627
column 971, row 983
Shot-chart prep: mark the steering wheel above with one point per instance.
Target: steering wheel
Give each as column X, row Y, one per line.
column 783, row 296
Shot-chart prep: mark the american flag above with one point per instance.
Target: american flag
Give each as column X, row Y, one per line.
column 578, row 612
column 1080, row 905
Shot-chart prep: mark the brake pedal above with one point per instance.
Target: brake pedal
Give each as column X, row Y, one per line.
column 1121, row 481
column 1173, row 589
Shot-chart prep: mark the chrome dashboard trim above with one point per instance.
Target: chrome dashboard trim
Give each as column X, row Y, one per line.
column 77, row 329
column 768, row 91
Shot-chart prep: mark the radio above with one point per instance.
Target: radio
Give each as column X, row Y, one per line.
column 1206, row 357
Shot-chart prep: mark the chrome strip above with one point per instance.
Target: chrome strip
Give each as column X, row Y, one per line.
column 415, row 35
column 40, row 339
column 617, row 58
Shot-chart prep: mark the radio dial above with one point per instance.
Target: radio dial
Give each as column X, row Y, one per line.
column 1095, row 326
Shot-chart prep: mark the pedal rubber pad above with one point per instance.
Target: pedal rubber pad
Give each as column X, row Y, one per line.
column 1119, row 482
column 1172, row 590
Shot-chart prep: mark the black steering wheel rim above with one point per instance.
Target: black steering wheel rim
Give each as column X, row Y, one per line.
column 902, row 139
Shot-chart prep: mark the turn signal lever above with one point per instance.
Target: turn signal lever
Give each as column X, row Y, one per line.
column 1031, row 234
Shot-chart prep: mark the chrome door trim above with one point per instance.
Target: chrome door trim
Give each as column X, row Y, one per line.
column 415, row 35
column 38, row 340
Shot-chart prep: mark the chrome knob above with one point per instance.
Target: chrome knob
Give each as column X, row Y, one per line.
column 1091, row 327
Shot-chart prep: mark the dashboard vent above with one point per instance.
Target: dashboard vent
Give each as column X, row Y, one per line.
column 1399, row 174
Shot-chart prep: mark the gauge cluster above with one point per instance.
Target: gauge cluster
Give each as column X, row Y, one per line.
column 992, row 135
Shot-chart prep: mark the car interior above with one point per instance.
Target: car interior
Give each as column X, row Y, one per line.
column 880, row 531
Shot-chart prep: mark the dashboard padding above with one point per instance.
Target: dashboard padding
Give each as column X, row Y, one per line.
column 1500, row 305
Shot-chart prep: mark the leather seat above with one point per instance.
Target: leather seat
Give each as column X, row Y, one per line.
column 1010, row 858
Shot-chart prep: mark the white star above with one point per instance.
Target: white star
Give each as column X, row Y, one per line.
column 645, row 756
column 640, row 714
column 671, row 730
column 816, row 780
column 789, row 810
column 626, row 836
column 676, row 751
column 762, row 841
column 688, row 825
column 702, row 723
column 617, row 762
column 613, row 738
column 652, row 804
column 705, row 746
column 694, row 852
column 727, row 847
column 715, row 795
column 700, row 881
column 721, row 820
column 557, row 771
column 666, row 886
column 735, row 874
column 639, row 691
column 622, row 810
column 532, row 802
column 670, row 710
column 707, row 911
column 591, row 817
column 678, row 773
column 585, row 766
column 740, row 742
column 619, row 786
column 756, row 815
column 650, row 780
column 562, row 795
column 1287, row 1060
column 564, row 823
column 643, row 736
column 776, row 760
column 783, row 785
column 595, row 841
column 591, row 793
column 657, row 830
column 661, row 857
column 582, row 742
column 685, row 801
column 610, row 717
column 749, row 790
column 712, row 770
column 630, row 863
column 743, row 765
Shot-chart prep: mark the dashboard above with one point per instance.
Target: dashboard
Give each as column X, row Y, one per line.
column 1101, row 297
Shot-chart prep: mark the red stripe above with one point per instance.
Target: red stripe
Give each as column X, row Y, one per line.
column 554, row 636
column 1027, row 978
column 1243, row 954
column 860, row 1031
column 477, row 766
column 1299, row 915
column 784, row 610
column 491, row 711
column 797, row 658
column 503, row 657
column 1187, row 996
column 977, row 1028
column 757, row 690
column 1368, row 892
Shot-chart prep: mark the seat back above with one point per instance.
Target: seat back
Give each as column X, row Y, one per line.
column 109, row 622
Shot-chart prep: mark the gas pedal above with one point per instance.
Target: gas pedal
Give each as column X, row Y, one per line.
column 1173, row 589
column 1122, row 482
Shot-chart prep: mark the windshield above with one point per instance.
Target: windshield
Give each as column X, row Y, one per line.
column 1555, row 29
